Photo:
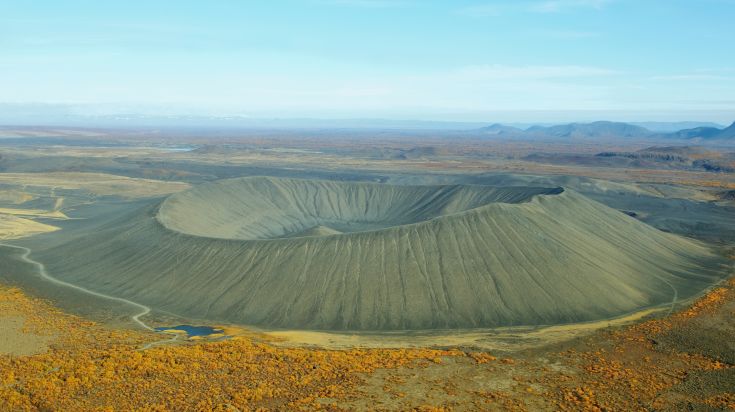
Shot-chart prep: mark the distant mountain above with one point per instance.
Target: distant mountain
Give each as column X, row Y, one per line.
column 728, row 133
column 670, row 127
column 706, row 133
column 594, row 130
column 607, row 129
column 499, row 129
column 600, row 129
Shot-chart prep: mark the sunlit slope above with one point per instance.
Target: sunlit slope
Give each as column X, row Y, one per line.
column 461, row 257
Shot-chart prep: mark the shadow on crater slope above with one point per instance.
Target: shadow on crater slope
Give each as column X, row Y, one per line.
column 265, row 208
column 358, row 256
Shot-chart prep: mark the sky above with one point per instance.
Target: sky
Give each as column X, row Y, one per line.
column 512, row 61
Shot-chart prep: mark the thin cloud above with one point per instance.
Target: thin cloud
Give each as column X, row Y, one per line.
column 547, row 6
column 368, row 4
column 569, row 34
column 555, row 6
column 483, row 10
column 533, row 72
column 690, row 76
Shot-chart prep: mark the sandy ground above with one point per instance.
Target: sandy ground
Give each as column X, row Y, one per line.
column 99, row 183
column 52, row 214
column 14, row 227
column 509, row 339
column 14, row 341
column 15, row 197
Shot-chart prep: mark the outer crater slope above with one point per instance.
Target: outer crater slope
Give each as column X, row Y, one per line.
column 359, row 256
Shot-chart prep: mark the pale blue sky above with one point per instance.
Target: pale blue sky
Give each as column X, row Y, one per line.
column 524, row 60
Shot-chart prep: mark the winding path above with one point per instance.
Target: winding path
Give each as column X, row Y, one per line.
column 144, row 310
column 44, row 274
column 675, row 297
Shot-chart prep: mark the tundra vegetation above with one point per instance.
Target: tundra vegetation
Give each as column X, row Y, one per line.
column 89, row 367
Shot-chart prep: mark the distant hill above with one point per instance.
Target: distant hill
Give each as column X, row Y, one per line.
column 594, row 130
column 607, row 129
column 500, row 129
column 706, row 133
column 690, row 157
column 670, row 127
column 728, row 133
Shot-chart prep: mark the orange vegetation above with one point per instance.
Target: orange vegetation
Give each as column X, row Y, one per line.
column 629, row 364
column 481, row 357
column 724, row 401
column 92, row 368
column 708, row 302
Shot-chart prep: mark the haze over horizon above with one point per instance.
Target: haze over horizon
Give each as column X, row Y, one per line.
column 360, row 205
column 469, row 61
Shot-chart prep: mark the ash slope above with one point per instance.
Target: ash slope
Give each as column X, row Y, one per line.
column 268, row 208
column 462, row 257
